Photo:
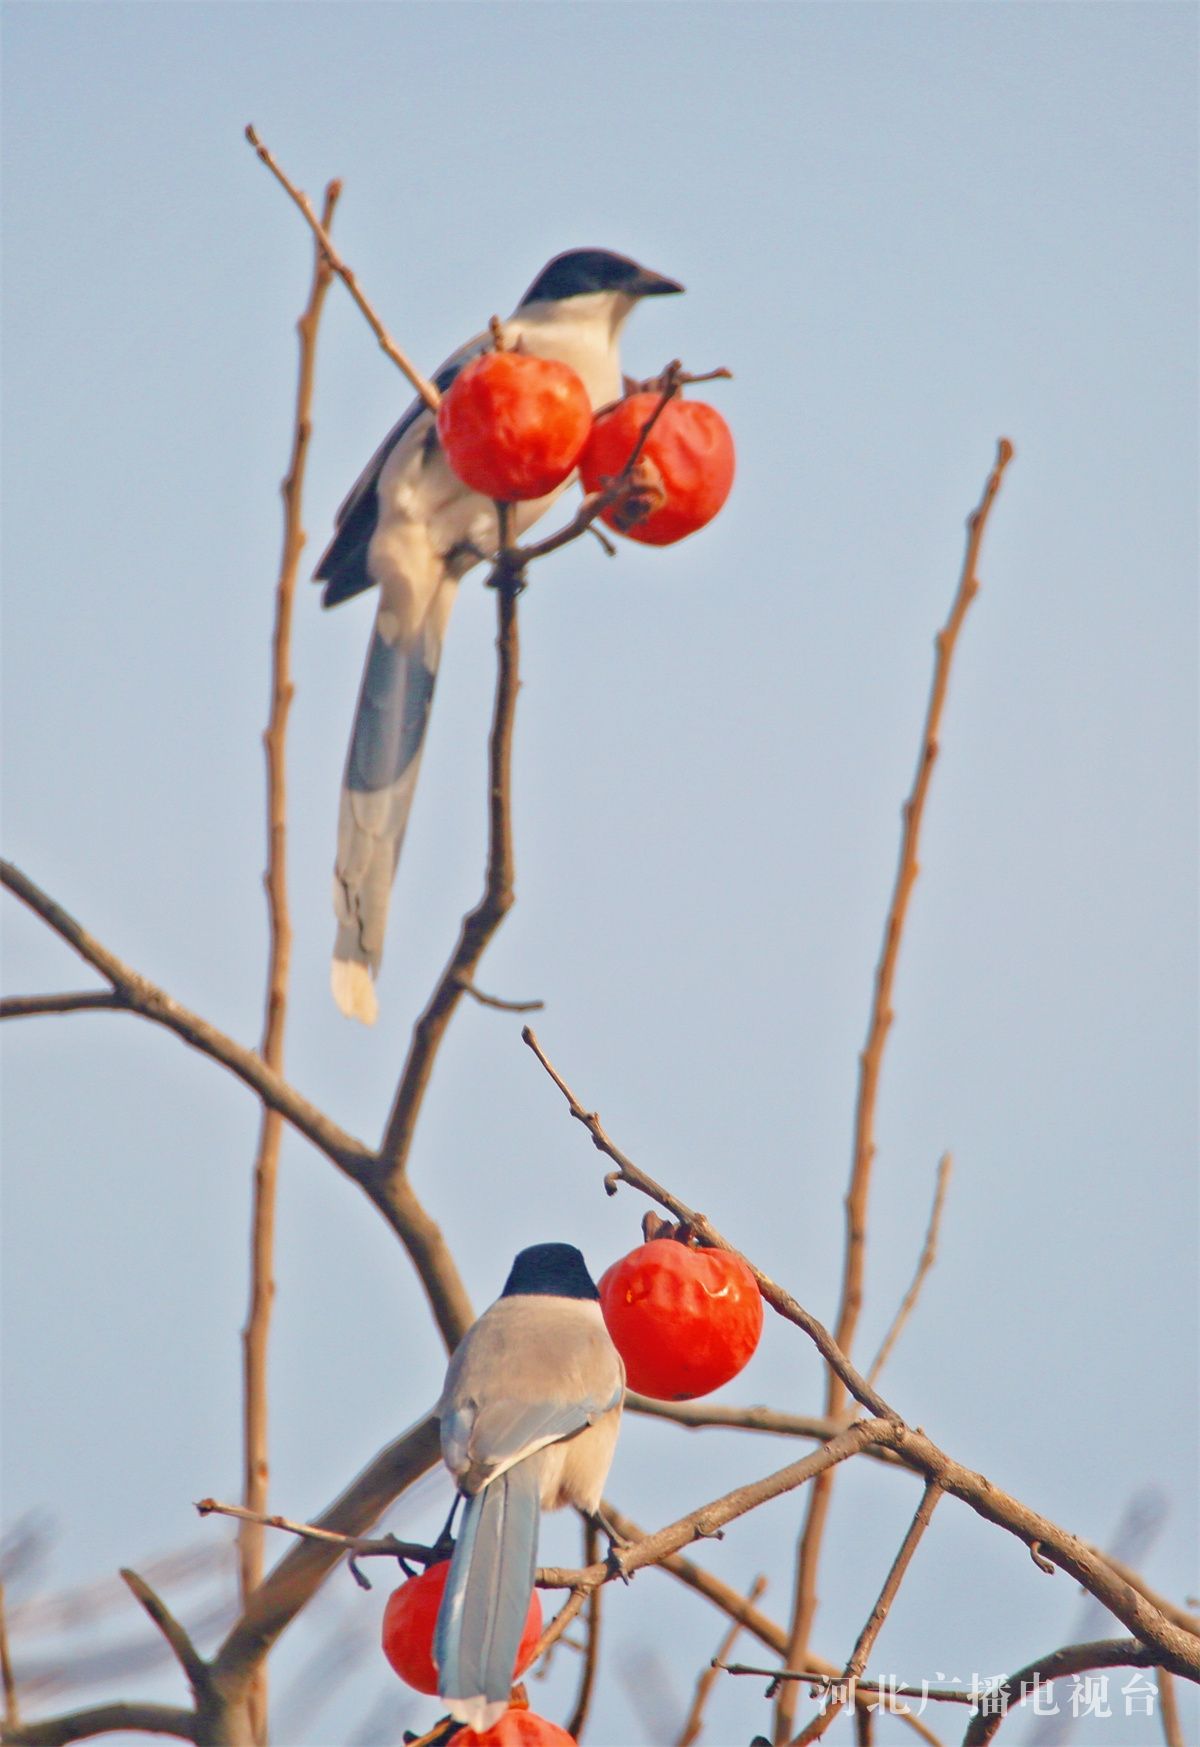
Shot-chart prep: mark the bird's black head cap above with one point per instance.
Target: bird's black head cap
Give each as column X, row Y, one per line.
column 551, row 1270
column 580, row 271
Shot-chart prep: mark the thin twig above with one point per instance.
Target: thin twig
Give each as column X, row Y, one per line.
column 620, row 486
column 256, row 1332
column 883, row 1689
column 12, row 1708
column 880, row 1023
column 695, row 1416
column 567, row 1613
column 887, row 1595
column 32, row 1006
column 1168, row 1706
column 1164, row 1604
column 362, row 1546
column 184, row 1651
column 1074, row 1659
column 694, row 1721
column 591, row 1643
column 142, row 1719
column 299, row 1574
column 879, row 1613
column 780, row 1301
column 722, row 1595
column 478, row 925
column 468, row 988
column 870, row 1066
column 927, row 1258
column 424, row 388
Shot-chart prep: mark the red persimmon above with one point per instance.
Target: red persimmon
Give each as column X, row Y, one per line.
column 515, row 1729
column 513, row 425
column 684, row 1320
column 409, row 1620
column 688, row 457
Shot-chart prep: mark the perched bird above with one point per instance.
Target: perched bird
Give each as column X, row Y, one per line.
column 413, row 528
column 529, row 1420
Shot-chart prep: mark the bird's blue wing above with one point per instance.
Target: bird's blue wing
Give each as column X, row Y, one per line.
column 504, row 1432
column 343, row 564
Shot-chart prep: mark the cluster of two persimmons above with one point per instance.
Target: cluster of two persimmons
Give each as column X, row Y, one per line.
column 685, row 1320
column 514, row 427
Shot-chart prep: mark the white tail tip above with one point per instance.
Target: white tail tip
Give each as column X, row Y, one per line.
column 479, row 1714
column 353, row 990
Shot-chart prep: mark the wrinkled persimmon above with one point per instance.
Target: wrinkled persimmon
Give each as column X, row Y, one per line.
column 513, row 425
column 686, row 466
column 685, row 1320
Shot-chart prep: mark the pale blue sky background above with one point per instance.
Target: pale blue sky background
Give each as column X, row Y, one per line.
column 907, row 229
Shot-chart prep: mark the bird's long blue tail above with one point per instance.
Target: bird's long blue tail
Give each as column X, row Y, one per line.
column 377, row 795
column 487, row 1594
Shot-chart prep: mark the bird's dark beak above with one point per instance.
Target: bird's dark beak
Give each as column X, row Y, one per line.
column 648, row 284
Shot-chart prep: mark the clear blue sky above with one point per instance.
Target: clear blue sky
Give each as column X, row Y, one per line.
column 907, row 229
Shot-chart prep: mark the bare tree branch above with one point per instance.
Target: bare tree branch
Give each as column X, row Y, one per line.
column 879, row 1613
column 143, row 1719
column 481, row 923
column 1074, row 1659
column 702, row 1416
column 776, row 1297
column 256, row 1333
column 591, row 1642
column 883, row 1690
column 1168, row 1705
column 137, row 994
column 871, row 1061
column 12, row 1708
column 32, row 1006
column 887, row 1595
column 302, row 1570
column 704, row 1523
column 359, row 1545
column 925, row 1262
column 1180, row 1650
column 424, row 388
column 870, row 1066
column 500, row 1005
column 1176, row 1648
column 567, row 1613
column 1181, row 1617
column 182, row 1648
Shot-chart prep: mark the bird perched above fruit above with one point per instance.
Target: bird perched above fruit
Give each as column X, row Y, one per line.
column 529, row 1418
column 413, row 529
